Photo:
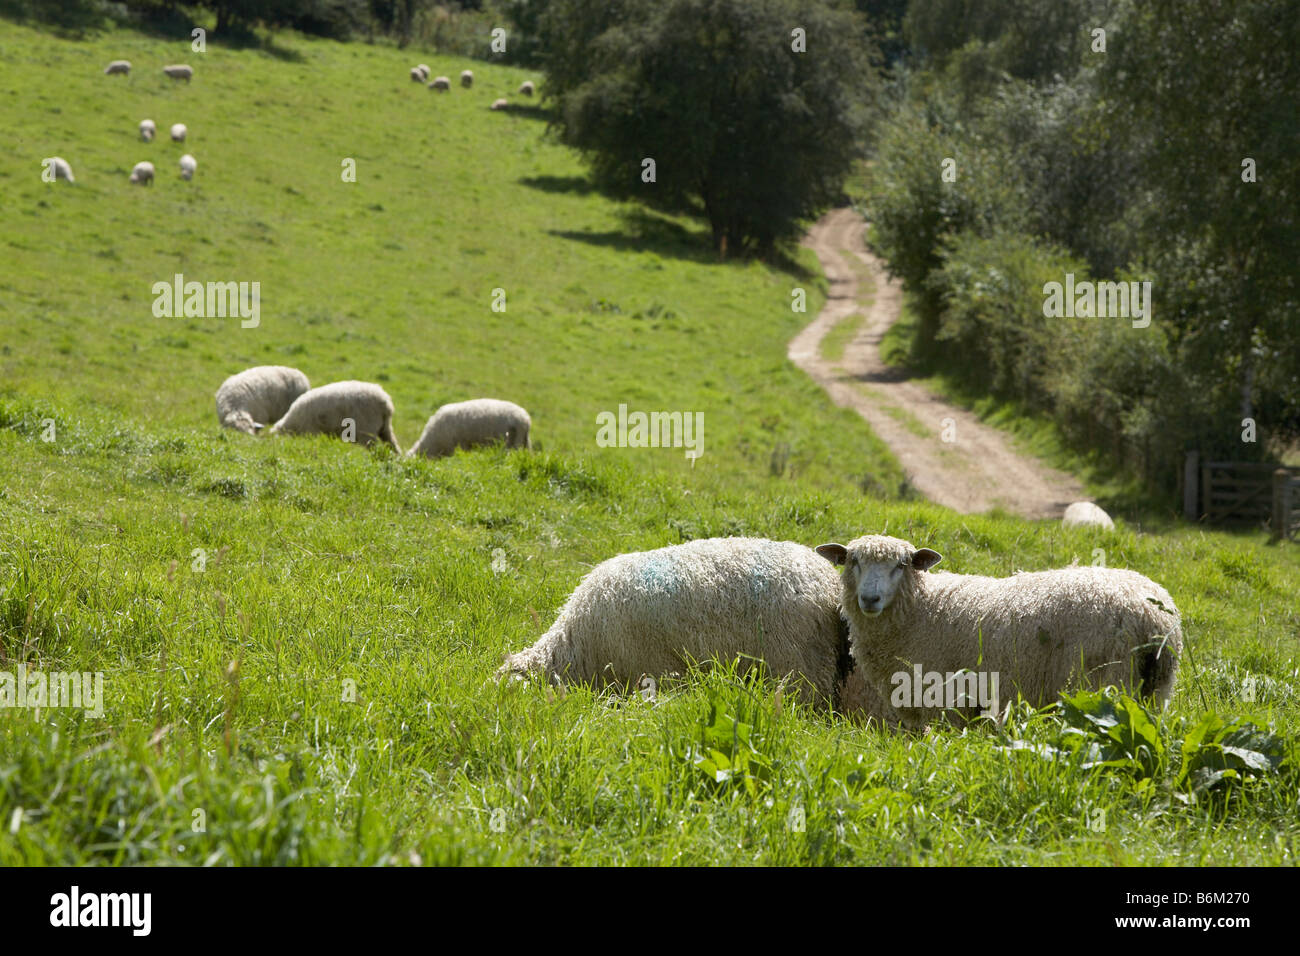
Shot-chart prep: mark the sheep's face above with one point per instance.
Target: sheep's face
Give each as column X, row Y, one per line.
column 875, row 567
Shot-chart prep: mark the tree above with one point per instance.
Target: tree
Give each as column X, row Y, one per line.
column 742, row 124
column 1202, row 87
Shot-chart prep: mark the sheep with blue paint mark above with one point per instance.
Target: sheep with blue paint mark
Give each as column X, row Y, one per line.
column 653, row 613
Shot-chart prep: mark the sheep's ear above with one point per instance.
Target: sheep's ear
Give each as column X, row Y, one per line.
column 834, row 553
column 924, row 559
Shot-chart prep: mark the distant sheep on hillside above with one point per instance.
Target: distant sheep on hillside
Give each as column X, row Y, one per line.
column 142, row 174
column 1085, row 513
column 499, row 104
column 179, row 71
column 354, row 411
column 469, row 424
column 188, row 165
column 467, row 78
column 440, row 84
column 148, row 130
column 248, row 400
column 61, row 168
column 119, row 66
column 178, row 132
column 526, row 88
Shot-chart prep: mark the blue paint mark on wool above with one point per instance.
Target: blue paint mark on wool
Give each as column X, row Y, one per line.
column 658, row 574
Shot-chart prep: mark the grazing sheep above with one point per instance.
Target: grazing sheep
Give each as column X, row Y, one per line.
column 440, row 84
column 142, row 173
column 148, row 130
column 499, row 105
column 1086, row 513
column 367, row 409
column 526, row 88
column 178, row 132
column 418, row 75
column 188, row 165
column 467, row 78
column 119, row 66
column 468, row 424
column 1037, row 631
column 61, row 168
column 249, row 399
column 424, row 70
column 179, row 71
column 655, row 612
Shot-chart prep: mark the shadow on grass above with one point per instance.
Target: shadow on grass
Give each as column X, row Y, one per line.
column 529, row 112
column 577, row 185
column 647, row 232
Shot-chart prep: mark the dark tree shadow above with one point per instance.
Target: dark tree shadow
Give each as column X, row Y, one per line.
column 577, row 185
column 529, row 112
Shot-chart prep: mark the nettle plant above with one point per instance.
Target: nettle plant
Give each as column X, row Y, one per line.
column 1203, row 758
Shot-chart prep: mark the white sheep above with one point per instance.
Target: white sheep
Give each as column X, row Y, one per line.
column 480, row 421
column 440, row 84
column 61, row 168
column 526, row 88
column 249, row 399
column 119, row 66
column 424, row 71
column 354, row 411
column 179, row 71
column 1085, row 513
column 142, row 174
column 653, row 613
column 499, row 104
column 178, row 132
column 188, row 166
column 148, row 130
column 418, row 75
column 1039, row 632
column 467, row 78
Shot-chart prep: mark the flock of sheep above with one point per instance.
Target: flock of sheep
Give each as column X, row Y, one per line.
column 841, row 638
column 441, row 84
column 143, row 172
column 360, row 412
column 845, row 639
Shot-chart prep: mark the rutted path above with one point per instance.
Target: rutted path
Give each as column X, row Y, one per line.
column 979, row 469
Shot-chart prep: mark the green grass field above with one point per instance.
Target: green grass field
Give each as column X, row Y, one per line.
column 297, row 636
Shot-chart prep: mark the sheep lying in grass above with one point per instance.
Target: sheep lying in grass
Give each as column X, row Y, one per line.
column 188, row 166
column 499, row 104
column 469, row 424
column 249, row 399
column 1085, row 513
column 467, row 78
column 61, row 169
column 119, row 66
column 148, row 130
column 178, row 132
column 1038, row 631
column 179, row 71
column 142, row 174
column 440, row 84
column 655, row 612
column 353, row 411
column 526, row 88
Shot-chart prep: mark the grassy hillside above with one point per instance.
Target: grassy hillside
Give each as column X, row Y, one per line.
column 236, row 591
